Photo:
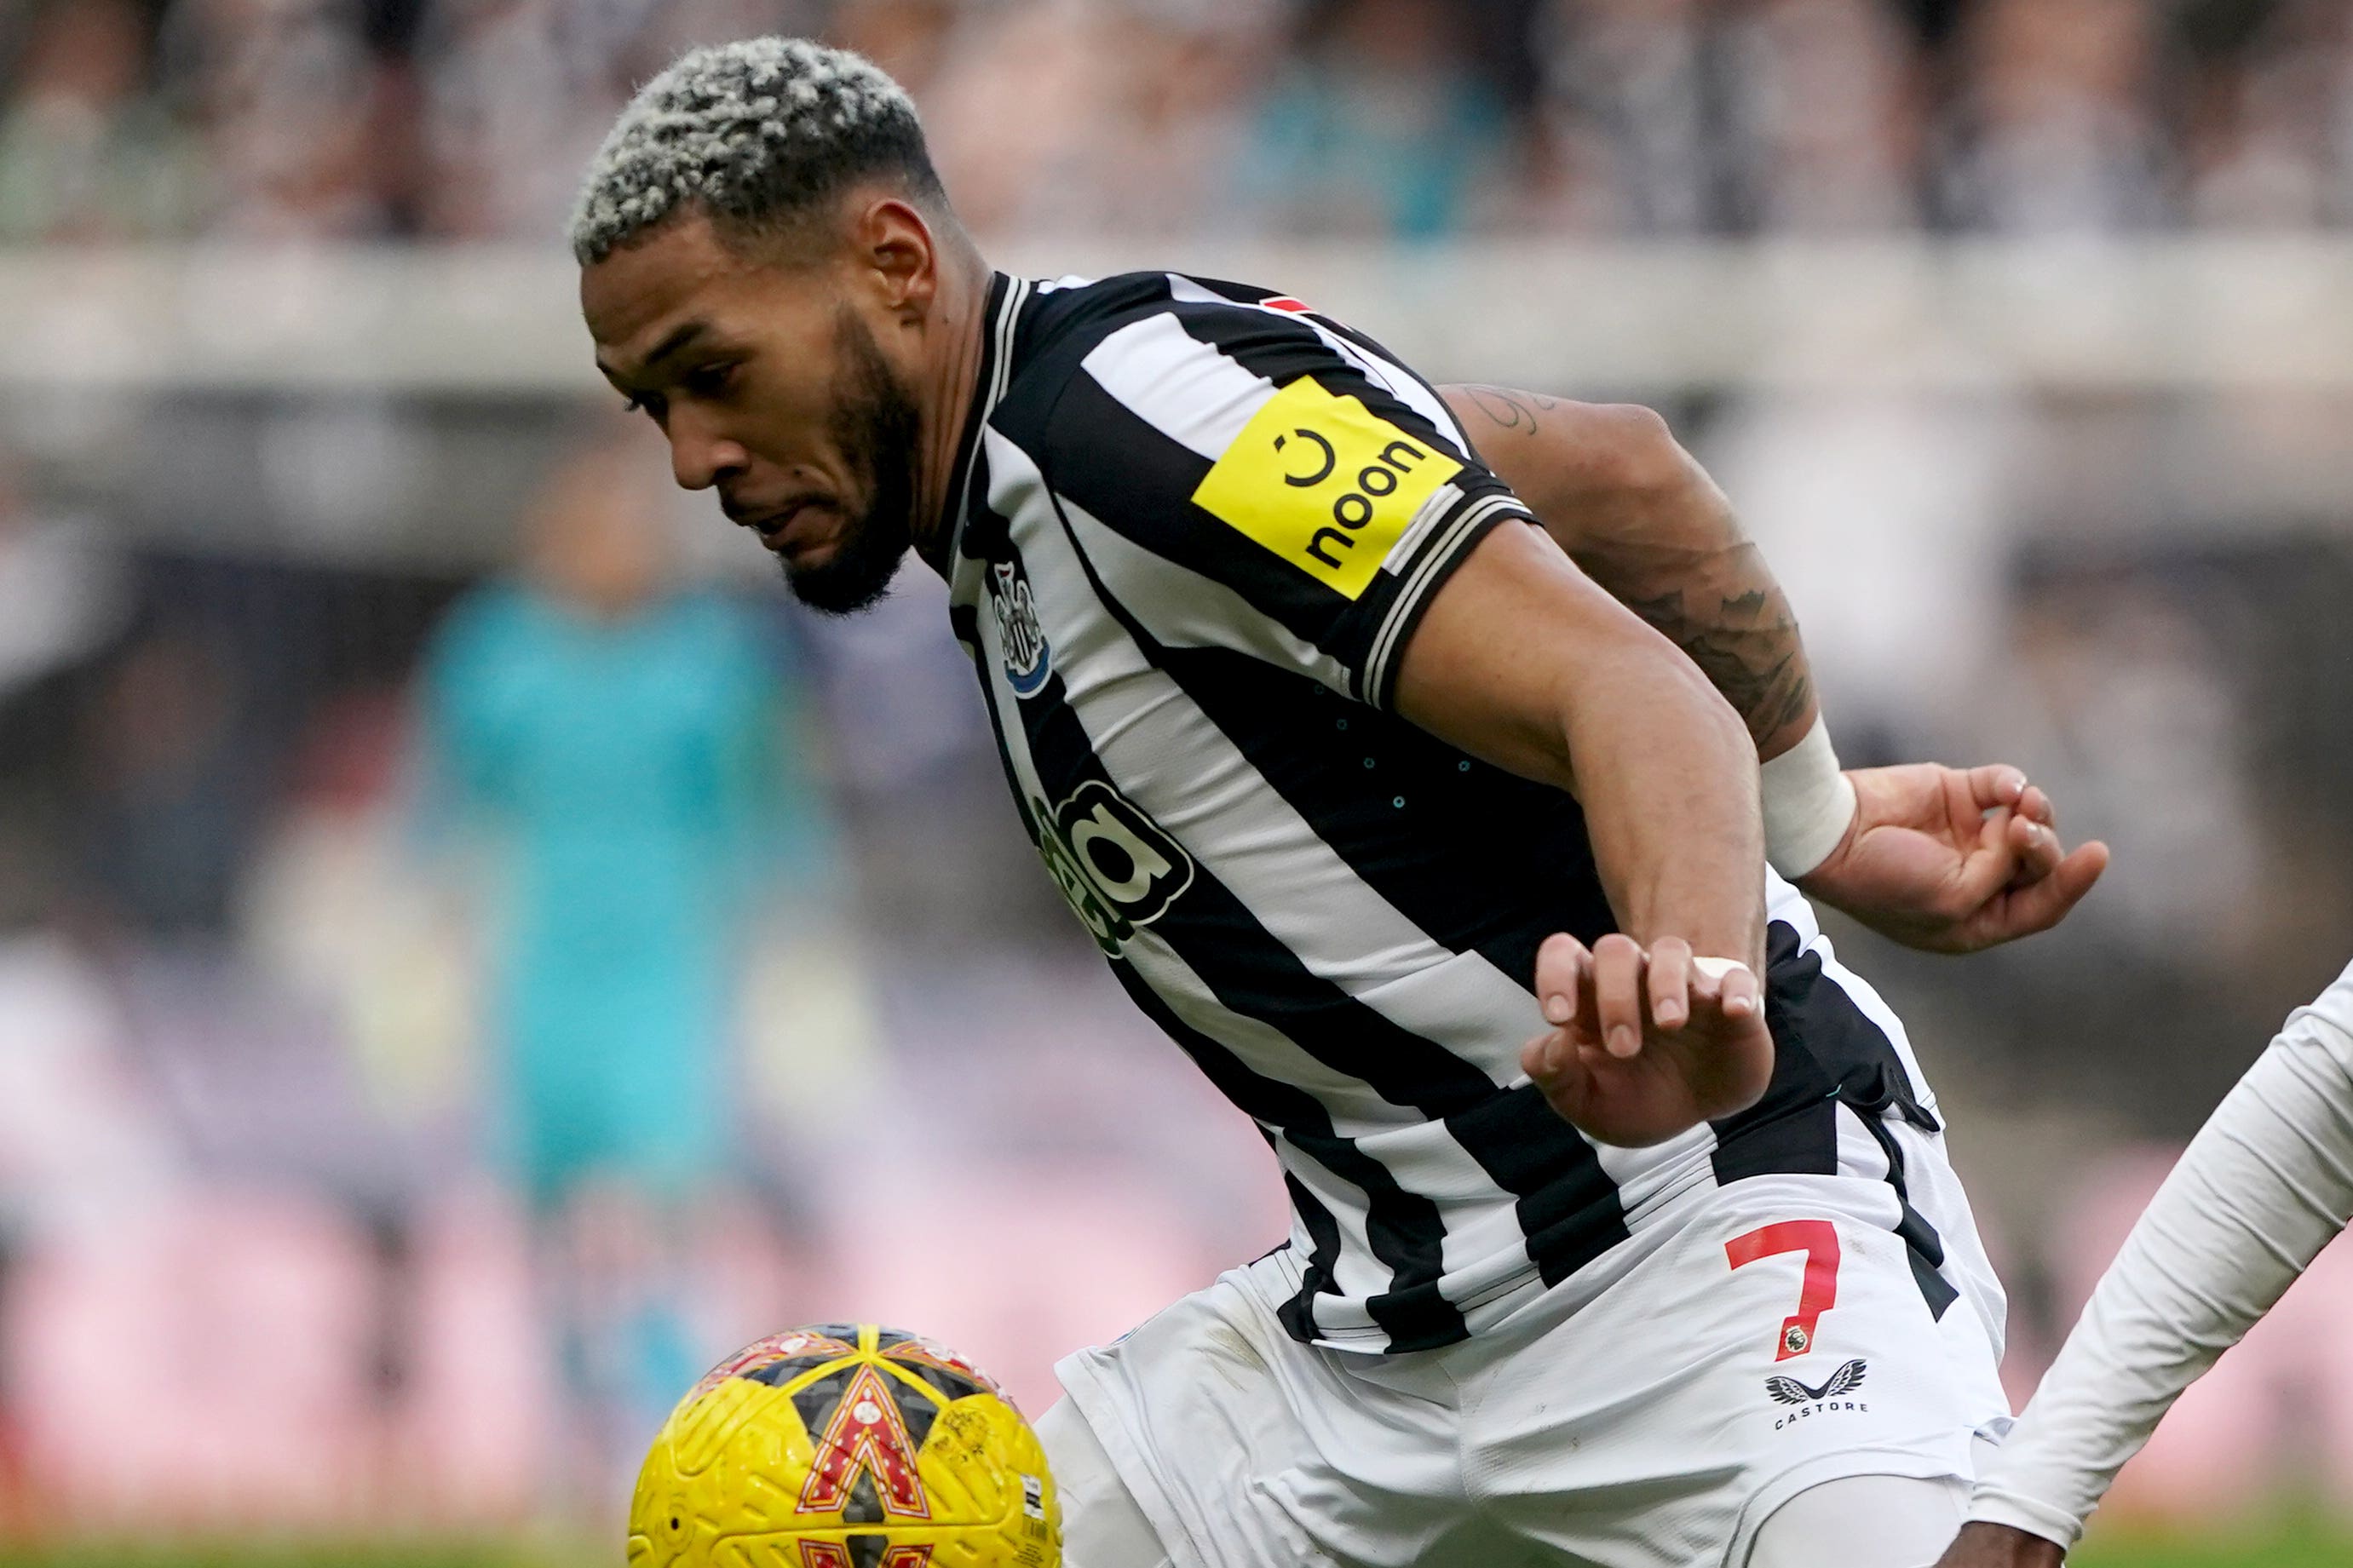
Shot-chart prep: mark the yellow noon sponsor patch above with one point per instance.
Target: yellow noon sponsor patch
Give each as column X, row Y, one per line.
column 1324, row 482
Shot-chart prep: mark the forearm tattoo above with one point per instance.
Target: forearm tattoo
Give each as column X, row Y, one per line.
column 1741, row 635
column 1681, row 564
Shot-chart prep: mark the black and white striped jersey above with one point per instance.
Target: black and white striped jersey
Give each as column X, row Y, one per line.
column 1199, row 523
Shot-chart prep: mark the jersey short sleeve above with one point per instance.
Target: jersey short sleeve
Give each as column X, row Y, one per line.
column 1250, row 479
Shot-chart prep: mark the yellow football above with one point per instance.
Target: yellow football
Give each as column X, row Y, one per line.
column 845, row 1446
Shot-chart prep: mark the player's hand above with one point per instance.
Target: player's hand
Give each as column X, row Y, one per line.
column 1643, row 1046
column 1998, row 1546
column 1953, row 859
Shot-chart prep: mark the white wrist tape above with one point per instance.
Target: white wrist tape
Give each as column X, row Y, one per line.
column 1809, row 803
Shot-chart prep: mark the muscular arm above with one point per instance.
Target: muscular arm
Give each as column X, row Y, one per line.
column 1672, row 802
column 1520, row 659
column 1939, row 858
column 1643, row 519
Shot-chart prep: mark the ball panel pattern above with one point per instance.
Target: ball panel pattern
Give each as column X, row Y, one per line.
column 845, row 1446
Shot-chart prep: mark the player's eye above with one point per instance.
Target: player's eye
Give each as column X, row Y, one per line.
column 710, row 380
column 642, row 403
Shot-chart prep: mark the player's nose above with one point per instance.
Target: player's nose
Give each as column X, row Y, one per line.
column 699, row 459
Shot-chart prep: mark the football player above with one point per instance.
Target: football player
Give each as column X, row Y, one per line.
column 1623, row 1232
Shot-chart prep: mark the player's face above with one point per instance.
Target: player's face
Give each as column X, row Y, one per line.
column 772, row 390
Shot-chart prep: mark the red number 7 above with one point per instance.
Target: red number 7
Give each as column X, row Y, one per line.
column 1817, row 1239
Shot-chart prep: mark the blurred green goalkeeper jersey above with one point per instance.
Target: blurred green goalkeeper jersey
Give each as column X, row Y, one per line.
column 628, row 776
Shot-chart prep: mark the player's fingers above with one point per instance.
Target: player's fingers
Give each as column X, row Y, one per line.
column 1668, row 983
column 1618, row 963
column 2044, row 904
column 1560, row 976
column 1540, row 1058
column 1552, row 1065
column 1738, row 993
column 1572, row 1090
column 2037, row 806
column 1984, row 870
column 1996, row 784
column 2036, row 849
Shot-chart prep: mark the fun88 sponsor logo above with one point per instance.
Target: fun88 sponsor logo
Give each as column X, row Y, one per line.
column 1116, row 867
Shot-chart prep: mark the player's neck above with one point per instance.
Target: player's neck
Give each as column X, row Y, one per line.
column 946, row 400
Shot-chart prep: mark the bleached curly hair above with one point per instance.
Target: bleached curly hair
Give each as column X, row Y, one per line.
column 758, row 134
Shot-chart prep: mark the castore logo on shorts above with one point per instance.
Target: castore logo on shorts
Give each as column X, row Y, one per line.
column 1811, row 1401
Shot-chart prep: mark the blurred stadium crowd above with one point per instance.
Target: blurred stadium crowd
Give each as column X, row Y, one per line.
column 464, row 119
column 446, row 904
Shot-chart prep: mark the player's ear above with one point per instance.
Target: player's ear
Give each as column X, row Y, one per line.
column 894, row 246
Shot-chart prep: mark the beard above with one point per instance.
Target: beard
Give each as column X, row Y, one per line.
column 875, row 425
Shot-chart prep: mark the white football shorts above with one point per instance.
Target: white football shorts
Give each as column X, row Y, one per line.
column 1655, row 1420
